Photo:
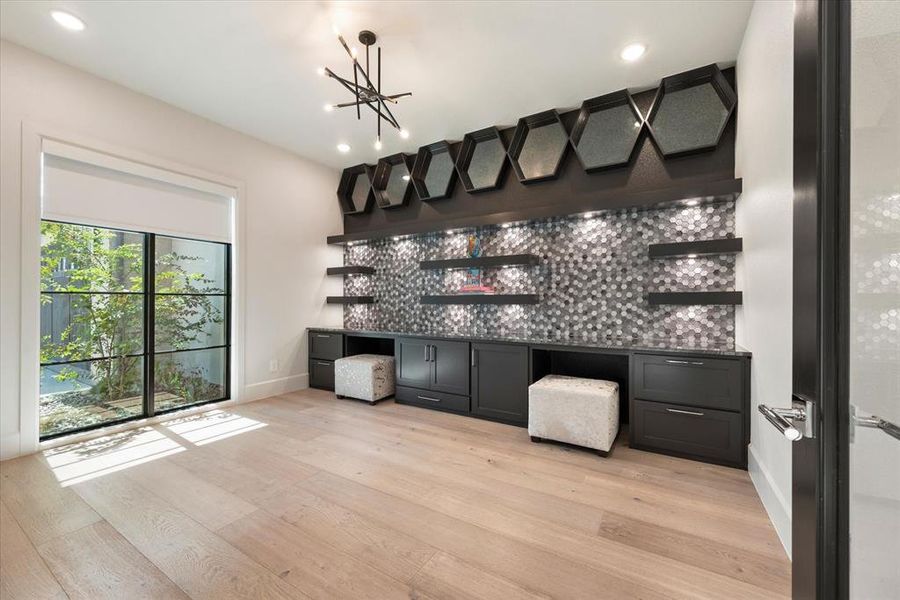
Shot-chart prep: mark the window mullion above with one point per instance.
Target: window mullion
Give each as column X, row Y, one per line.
column 149, row 322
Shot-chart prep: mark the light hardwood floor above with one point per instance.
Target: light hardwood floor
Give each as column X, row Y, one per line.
column 306, row 496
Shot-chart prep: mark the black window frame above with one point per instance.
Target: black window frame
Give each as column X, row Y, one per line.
column 149, row 352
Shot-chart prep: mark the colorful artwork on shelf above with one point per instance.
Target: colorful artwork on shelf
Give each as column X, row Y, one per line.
column 474, row 284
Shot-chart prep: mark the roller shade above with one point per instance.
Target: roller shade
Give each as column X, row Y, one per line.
column 92, row 188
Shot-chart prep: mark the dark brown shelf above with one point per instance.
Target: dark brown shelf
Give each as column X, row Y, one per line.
column 726, row 189
column 350, row 270
column 481, row 262
column 701, row 248
column 482, row 299
column 350, row 300
column 694, row 298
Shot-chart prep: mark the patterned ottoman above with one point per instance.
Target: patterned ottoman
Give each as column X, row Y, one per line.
column 582, row 412
column 367, row 377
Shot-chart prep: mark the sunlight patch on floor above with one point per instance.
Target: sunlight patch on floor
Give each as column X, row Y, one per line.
column 212, row 426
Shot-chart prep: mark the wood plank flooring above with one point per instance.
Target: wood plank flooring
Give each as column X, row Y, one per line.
column 306, row 496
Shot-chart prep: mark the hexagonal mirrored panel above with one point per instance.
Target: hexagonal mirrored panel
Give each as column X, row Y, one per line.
column 538, row 146
column 607, row 130
column 355, row 189
column 392, row 181
column 482, row 160
column 691, row 110
column 434, row 172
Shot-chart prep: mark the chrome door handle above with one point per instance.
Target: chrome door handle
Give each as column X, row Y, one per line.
column 800, row 413
column 427, row 352
column 320, row 335
column 473, row 357
column 878, row 423
column 684, row 362
column 428, row 398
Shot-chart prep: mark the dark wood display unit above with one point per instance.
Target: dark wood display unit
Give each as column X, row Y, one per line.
column 481, row 162
column 538, row 147
column 391, row 181
column 350, row 270
column 698, row 248
column 694, row 298
column 434, row 171
column 349, row 299
column 686, row 402
column 355, row 194
column 481, row 262
column 481, row 299
column 606, row 131
column 693, row 124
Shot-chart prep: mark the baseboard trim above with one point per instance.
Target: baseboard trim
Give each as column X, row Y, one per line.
column 274, row 387
column 773, row 501
column 10, row 445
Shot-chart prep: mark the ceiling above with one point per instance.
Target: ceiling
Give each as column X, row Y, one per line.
column 252, row 66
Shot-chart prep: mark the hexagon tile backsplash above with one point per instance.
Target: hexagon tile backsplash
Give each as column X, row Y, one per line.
column 593, row 277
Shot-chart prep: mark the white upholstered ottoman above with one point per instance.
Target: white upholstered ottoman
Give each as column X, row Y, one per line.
column 367, row 377
column 574, row 410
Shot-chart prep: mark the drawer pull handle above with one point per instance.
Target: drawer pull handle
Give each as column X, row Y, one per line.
column 428, row 398
column 684, row 362
column 685, row 412
column 322, row 335
column 324, row 364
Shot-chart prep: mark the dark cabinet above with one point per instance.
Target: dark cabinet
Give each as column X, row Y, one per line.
column 326, row 345
column 693, row 381
column 413, row 362
column 321, row 374
column 500, row 382
column 713, row 435
column 432, row 399
column 450, row 367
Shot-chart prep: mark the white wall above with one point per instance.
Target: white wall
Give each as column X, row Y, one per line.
column 290, row 208
column 764, row 157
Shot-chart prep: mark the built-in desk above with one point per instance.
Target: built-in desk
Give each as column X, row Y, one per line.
column 680, row 399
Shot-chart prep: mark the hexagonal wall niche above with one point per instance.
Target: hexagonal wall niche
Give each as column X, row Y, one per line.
column 354, row 192
column 538, row 146
column 481, row 163
column 690, row 111
column 392, row 181
column 607, row 130
column 434, row 173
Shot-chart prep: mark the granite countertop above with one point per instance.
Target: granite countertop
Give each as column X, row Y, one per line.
column 600, row 343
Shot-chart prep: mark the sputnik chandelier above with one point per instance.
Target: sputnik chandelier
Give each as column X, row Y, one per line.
column 364, row 91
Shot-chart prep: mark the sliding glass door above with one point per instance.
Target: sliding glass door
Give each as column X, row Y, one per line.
column 132, row 324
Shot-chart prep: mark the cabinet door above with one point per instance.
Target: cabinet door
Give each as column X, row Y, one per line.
column 500, row 382
column 412, row 364
column 450, row 372
column 326, row 345
column 321, row 374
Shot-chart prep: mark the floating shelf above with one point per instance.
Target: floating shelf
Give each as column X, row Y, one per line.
column 481, row 262
column 694, row 298
column 702, row 248
column 350, row 270
column 482, row 299
column 350, row 300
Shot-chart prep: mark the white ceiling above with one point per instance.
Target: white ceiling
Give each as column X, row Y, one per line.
column 251, row 65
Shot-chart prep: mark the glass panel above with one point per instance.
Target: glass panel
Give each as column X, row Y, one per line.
column 184, row 322
column 689, row 118
column 83, row 326
column 487, row 160
column 90, row 259
column 189, row 266
column 542, row 150
column 82, row 394
column 184, row 378
column 440, row 170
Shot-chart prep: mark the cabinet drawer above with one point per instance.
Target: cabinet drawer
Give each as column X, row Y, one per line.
column 711, row 383
column 327, row 346
column 697, row 432
column 432, row 399
column 321, row 374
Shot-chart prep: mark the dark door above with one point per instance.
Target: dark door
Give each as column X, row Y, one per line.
column 500, row 382
column 450, row 367
column 413, row 362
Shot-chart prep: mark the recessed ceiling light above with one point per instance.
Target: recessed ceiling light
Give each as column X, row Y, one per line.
column 692, row 202
column 343, row 148
column 404, row 134
column 506, row 225
column 67, row 20
column 396, row 238
column 692, row 256
column 588, row 215
column 632, row 52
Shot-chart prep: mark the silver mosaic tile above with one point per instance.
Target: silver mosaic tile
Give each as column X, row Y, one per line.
column 593, row 278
